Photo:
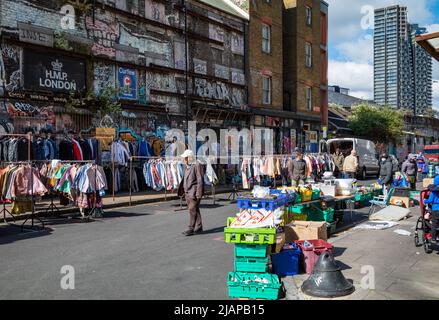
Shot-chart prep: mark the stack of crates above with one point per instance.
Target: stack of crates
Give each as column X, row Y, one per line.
column 250, row 279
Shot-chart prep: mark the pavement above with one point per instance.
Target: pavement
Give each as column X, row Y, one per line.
column 401, row 270
column 139, row 253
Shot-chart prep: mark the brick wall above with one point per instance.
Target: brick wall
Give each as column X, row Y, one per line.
column 297, row 75
column 262, row 63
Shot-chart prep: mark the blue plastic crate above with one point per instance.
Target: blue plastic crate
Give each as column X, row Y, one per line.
column 286, row 263
column 290, row 195
column 267, row 204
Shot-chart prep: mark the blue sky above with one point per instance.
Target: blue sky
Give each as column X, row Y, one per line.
column 351, row 41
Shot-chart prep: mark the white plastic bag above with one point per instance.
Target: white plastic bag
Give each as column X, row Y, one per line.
column 261, row 192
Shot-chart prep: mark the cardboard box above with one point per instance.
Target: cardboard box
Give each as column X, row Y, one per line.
column 405, row 201
column 426, row 182
column 280, row 241
column 306, row 230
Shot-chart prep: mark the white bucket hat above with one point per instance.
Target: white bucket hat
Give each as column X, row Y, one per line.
column 187, row 154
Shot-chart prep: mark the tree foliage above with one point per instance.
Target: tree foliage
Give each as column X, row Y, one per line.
column 381, row 124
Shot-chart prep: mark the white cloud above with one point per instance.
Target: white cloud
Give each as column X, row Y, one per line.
column 432, row 28
column 356, row 76
column 345, row 17
column 360, row 50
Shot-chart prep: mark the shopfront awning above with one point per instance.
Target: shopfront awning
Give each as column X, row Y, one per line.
column 430, row 42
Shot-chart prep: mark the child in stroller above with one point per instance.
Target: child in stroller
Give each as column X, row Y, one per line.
column 433, row 200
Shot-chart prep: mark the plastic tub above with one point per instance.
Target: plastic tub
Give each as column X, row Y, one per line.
column 286, row 263
column 258, row 265
column 311, row 254
column 251, row 250
column 253, row 286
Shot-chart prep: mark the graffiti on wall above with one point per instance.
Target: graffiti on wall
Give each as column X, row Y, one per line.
column 104, row 36
column 104, row 77
column 200, row 66
column 237, row 44
column 216, row 33
column 10, row 73
column 164, row 82
column 221, row 72
column 179, row 55
column 219, row 91
column 160, row 50
column 155, row 11
column 238, row 76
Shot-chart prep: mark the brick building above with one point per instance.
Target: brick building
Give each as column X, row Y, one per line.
column 136, row 48
column 305, row 67
column 288, row 86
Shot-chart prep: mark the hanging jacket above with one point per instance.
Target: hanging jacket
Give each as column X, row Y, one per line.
column 66, row 150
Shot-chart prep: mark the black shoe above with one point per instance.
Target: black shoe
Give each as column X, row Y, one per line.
column 188, row 233
column 198, row 231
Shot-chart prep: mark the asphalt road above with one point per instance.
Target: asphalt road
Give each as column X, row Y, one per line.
column 135, row 253
column 132, row 253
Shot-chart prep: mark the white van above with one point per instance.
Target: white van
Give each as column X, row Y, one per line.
column 366, row 152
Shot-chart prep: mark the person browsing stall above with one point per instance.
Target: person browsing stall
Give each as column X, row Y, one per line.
column 350, row 165
column 297, row 169
column 410, row 171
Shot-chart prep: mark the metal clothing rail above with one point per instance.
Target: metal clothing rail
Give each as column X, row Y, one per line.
column 131, row 175
column 33, row 216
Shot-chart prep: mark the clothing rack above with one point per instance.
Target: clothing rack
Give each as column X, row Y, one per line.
column 28, row 136
column 131, row 174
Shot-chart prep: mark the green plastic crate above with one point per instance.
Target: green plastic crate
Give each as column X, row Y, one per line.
column 315, row 194
column 251, row 250
column 243, row 285
column 299, row 209
column 249, row 235
column 362, row 197
column 258, row 265
column 321, row 215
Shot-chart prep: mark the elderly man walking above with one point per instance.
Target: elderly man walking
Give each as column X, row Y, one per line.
column 192, row 187
column 350, row 165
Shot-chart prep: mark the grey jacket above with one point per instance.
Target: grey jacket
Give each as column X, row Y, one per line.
column 410, row 169
column 297, row 169
column 386, row 171
column 193, row 181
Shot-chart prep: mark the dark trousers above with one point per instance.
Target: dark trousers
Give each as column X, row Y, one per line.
column 434, row 224
column 412, row 182
column 350, row 175
column 195, row 221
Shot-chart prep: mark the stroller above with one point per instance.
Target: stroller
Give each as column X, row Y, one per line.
column 423, row 226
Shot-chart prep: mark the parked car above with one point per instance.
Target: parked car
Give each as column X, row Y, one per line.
column 366, row 152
